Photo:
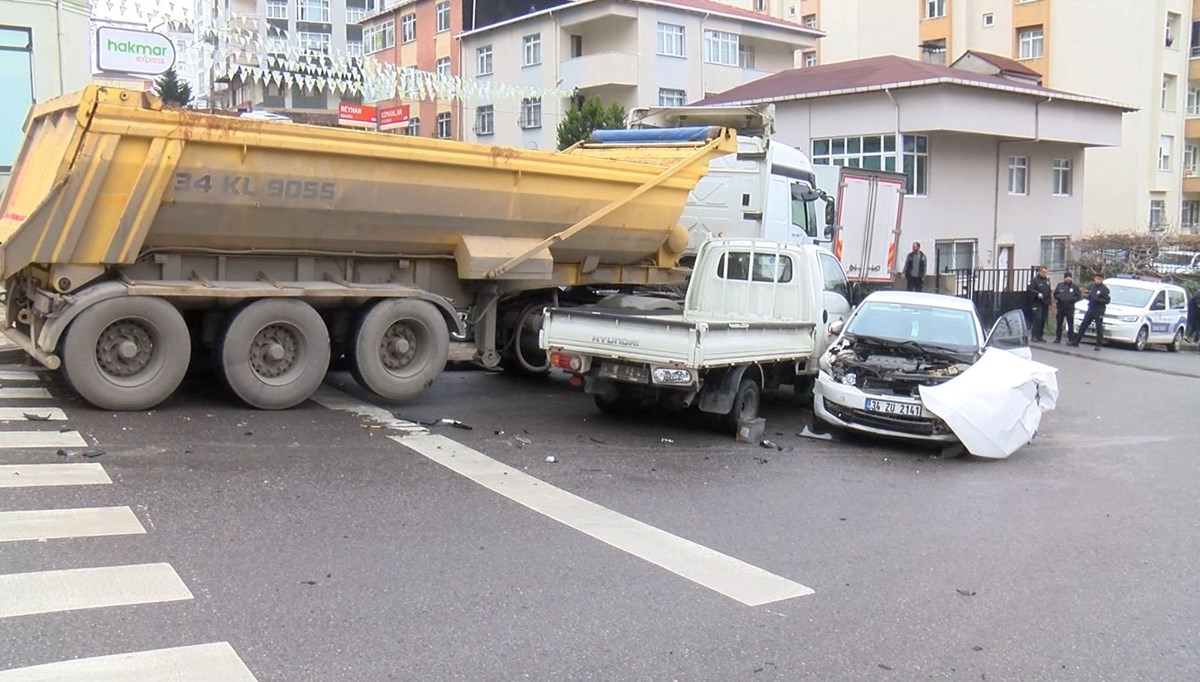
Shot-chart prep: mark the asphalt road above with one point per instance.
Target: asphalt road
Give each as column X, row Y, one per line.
column 319, row 548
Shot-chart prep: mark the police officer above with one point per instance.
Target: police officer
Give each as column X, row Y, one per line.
column 1039, row 304
column 1098, row 298
column 1066, row 295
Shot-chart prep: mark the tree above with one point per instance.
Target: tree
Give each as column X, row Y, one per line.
column 172, row 90
column 593, row 114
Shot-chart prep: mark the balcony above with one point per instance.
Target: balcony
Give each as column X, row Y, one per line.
column 600, row 69
column 1191, row 183
column 1191, row 128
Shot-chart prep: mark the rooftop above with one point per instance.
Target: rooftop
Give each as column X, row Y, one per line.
column 1004, row 64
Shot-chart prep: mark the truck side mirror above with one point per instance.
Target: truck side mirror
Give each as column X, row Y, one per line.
column 801, row 192
column 830, row 217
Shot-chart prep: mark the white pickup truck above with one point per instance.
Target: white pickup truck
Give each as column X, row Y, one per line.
column 756, row 315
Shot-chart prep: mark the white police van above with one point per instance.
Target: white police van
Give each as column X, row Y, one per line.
column 1141, row 313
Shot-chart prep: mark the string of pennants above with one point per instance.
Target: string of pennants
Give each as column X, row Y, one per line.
column 233, row 46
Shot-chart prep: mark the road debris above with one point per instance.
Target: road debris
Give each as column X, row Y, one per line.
column 666, row 440
column 63, row 453
column 770, row 445
column 524, row 441
column 596, row 440
column 551, row 459
column 446, row 421
column 966, row 593
column 499, row 432
column 92, row 454
column 37, row 417
column 808, row 433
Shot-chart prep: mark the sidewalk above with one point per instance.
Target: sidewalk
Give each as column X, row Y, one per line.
column 1185, row 363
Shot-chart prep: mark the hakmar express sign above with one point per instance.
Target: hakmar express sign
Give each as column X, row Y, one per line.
column 129, row 51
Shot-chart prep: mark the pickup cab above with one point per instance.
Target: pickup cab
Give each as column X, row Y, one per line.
column 756, row 315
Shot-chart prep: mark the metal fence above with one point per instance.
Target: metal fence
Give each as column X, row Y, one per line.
column 994, row 291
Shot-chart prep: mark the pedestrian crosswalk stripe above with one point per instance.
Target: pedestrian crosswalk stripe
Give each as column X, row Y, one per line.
column 17, row 414
column 19, row 375
column 333, row 399
column 89, row 588
column 216, row 662
column 37, row 475
column 13, row 440
column 51, row 524
column 23, row 393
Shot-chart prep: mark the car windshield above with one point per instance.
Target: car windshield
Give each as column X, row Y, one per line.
column 1130, row 296
column 925, row 324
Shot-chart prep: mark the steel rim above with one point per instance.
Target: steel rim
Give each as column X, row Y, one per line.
column 276, row 351
column 749, row 405
column 125, row 349
column 1140, row 341
column 403, row 347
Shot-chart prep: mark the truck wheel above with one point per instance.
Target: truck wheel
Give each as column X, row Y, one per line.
column 274, row 353
column 745, row 403
column 400, row 346
column 127, row 353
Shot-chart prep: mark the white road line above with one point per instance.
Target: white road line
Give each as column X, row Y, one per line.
column 50, row 524
column 23, row 393
column 216, row 662
column 332, row 398
column 38, row 475
column 19, row 375
column 731, row 577
column 89, row 588
column 17, row 414
column 12, row 440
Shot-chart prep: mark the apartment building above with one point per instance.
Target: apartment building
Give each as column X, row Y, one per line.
column 994, row 163
column 419, row 34
column 43, row 53
column 1139, row 52
column 633, row 52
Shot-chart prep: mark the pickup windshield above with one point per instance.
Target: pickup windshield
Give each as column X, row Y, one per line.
column 1130, row 296
column 925, row 324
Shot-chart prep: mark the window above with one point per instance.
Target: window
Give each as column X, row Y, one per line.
column 1195, row 42
column 1018, row 175
column 810, row 59
column 1172, row 29
column 531, row 113
column 16, row 81
column 935, row 9
column 760, row 5
column 354, row 48
column 1060, row 175
column 1054, row 252
column 954, row 254
column 442, row 67
column 834, row 276
column 355, row 14
column 768, row 267
column 1193, row 101
column 443, row 125
column 379, row 36
column 1168, row 92
column 916, row 165
column 669, row 97
column 277, row 9
column 746, row 56
column 408, row 27
column 989, row 19
column 483, row 58
column 316, row 11
column 485, row 120
column 442, row 16
column 313, row 42
column 576, row 46
column 670, row 40
column 1030, row 43
column 1189, row 214
column 413, row 128
column 810, row 20
column 1158, row 214
column 934, row 52
column 533, row 50
column 1191, row 155
column 1178, row 299
column 721, row 48
column 1165, row 144
column 877, row 152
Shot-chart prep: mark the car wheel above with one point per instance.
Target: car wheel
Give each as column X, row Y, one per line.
column 1143, row 335
column 1177, row 342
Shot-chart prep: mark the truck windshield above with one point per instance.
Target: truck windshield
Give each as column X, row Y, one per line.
column 914, row 322
column 804, row 216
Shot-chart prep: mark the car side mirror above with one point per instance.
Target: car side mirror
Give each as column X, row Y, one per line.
column 837, row 326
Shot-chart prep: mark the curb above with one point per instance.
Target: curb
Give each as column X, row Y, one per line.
column 1107, row 359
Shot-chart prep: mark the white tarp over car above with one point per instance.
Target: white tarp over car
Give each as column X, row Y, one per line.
column 996, row 405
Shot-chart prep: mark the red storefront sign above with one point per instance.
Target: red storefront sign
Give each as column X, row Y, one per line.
column 391, row 118
column 358, row 115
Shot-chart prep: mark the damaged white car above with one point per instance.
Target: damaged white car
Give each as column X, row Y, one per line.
column 902, row 357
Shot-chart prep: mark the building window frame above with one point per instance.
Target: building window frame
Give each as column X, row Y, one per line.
column 20, row 34
column 277, row 9
column 485, row 120
column 1031, row 42
column 810, row 59
column 1158, row 214
column 1055, row 250
column 1191, row 160
column 935, row 9
column 442, row 127
column 1061, row 177
column 485, row 60
column 1166, row 145
column 721, row 47
column 672, row 97
column 1169, row 81
column 531, row 49
column 672, row 40
column 809, row 20
column 314, row 41
column 379, row 37
column 531, row 113
column 313, row 11
column 1189, row 213
column 413, row 129
column 408, row 27
column 746, row 56
column 441, row 12
column 354, row 48
column 1018, row 175
column 442, row 67
column 955, row 254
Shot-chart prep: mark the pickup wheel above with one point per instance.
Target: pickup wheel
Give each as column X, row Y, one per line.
column 400, row 347
column 745, row 404
column 274, row 353
column 618, row 401
column 127, row 353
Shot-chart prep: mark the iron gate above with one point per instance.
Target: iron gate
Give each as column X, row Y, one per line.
column 994, row 291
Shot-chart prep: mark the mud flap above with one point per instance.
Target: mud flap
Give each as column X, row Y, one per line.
column 719, row 390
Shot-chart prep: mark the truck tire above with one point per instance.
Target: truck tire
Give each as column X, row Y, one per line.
column 274, row 353
column 400, row 346
column 127, row 353
column 746, row 402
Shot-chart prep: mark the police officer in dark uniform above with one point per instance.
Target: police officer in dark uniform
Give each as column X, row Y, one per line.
column 1066, row 295
column 1098, row 298
column 1039, row 304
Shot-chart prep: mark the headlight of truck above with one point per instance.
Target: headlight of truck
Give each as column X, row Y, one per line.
column 673, row 375
column 1127, row 318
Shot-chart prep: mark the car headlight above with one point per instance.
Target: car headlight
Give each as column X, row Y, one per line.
column 850, row 379
column 673, row 375
column 1127, row 318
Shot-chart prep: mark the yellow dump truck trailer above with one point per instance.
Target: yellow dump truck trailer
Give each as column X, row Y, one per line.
column 132, row 236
